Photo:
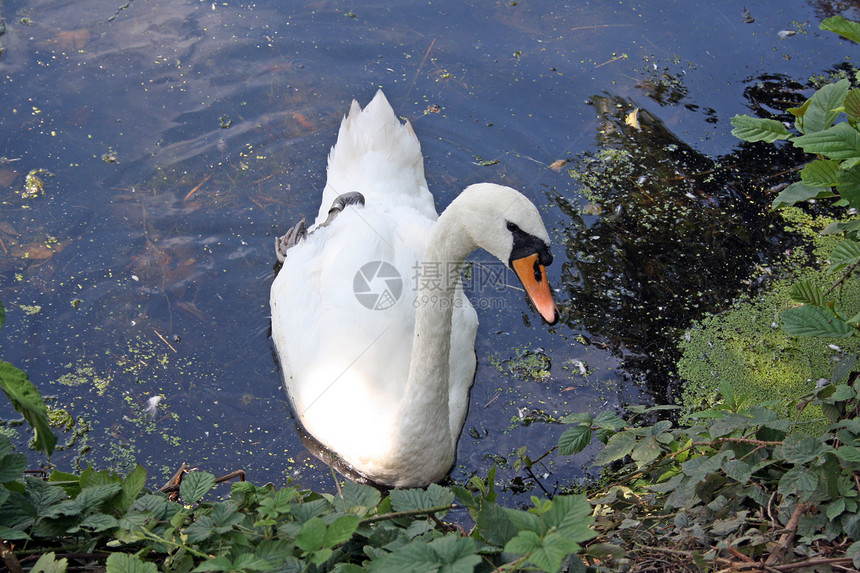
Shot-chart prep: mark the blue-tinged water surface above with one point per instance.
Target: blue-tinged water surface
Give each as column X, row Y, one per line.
column 175, row 139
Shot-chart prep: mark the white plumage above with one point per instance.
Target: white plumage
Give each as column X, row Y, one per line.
column 387, row 388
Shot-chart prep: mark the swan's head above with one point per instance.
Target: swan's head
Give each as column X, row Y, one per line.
column 505, row 223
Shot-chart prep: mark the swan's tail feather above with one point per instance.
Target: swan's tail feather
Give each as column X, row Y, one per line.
column 379, row 157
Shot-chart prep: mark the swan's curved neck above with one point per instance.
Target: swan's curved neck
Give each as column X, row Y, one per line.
column 424, row 409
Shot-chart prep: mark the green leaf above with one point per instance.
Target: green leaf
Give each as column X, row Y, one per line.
column 195, row 485
column 757, row 129
column 2, row 315
column 525, row 520
column 132, row 485
column 494, row 525
column 571, row 515
column 125, row 563
column 823, row 107
column 311, row 536
column 821, row 173
column 798, row 480
column 340, row 530
column 28, row 402
column 48, row 563
column 99, row 522
column 849, row 186
column 835, row 508
column 798, row 449
column 618, row 446
column 457, row 554
column 574, row 440
column 852, row 105
column 200, row 530
column 359, row 495
column 845, row 28
column 809, row 320
column 722, row 527
column 846, row 253
column 274, row 551
column 416, row 557
column 9, row 534
column 737, row 470
column 412, row 499
column 848, row 453
column 843, row 368
column 807, row 292
column 842, row 141
column 646, row 451
column 609, row 421
column 796, row 193
column 548, row 553
column 250, row 562
column 12, row 467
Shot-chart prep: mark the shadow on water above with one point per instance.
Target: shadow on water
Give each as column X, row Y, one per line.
column 669, row 234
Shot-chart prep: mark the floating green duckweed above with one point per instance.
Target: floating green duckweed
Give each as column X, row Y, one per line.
column 746, row 348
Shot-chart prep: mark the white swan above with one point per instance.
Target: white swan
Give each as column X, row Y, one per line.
column 374, row 334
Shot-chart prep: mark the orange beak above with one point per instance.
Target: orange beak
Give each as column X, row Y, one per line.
column 533, row 276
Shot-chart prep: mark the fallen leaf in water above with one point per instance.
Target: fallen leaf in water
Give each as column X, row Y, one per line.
column 36, row 251
column 558, row 164
column 8, row 177
column 72, row 39
column 632, row 119
column 8, row 229
column 303, row 121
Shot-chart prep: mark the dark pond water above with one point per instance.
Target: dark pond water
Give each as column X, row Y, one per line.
column 176, row 139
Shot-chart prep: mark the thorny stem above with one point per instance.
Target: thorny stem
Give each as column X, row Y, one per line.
column 847, row 274
column 409, row 513
column 511, row 566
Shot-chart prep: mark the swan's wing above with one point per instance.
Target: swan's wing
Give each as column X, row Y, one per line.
column 380, row 158
column 345, row 358
column 463, row 361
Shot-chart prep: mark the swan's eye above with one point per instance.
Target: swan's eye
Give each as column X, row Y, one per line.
column 538, row 273
column 512, row 227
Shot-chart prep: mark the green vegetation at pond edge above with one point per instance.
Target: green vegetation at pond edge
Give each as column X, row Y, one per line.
column 745, row 348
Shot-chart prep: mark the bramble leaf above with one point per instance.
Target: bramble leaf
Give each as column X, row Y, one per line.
column 12, row 466
column 195, row 485
column 494, row 525
column 48, row 563
column 616, row 448
column 125, row 563
column 574, row 440
column 340, row 530
column 311, row 536
column 798, row 480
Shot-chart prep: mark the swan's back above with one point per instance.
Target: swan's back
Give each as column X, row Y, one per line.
column 380, row 158
column 345, row 363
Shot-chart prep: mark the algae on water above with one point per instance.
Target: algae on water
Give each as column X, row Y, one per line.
column 746, row 347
